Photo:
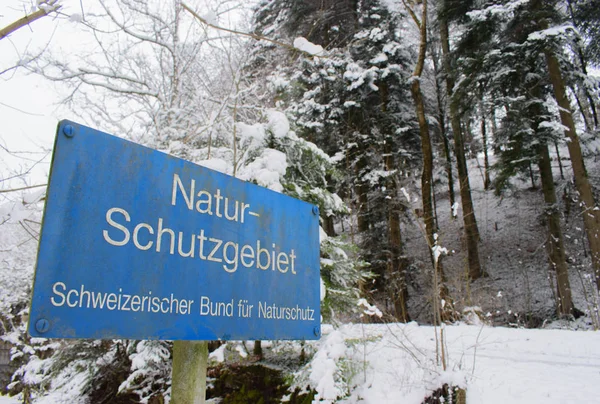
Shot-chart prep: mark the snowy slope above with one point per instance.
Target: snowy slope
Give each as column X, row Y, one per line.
column 520, row 286
column 395, row 363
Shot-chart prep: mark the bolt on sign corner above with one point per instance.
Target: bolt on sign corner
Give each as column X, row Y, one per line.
column 138, row 244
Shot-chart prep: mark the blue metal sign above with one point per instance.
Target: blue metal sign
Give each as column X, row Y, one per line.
column 142, row 245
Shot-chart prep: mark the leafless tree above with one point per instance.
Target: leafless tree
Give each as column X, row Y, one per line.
column 43, row 9
column 153, row 72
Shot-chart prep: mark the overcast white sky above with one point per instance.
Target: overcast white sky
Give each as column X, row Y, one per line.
column 28, row 104
column 29, row 109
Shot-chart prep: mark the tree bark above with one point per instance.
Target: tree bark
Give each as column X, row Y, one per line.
column 190, row 361
column 328, row 225
column 52, row 6
column 362, row 190
column 440, row 289
column 397, row 264
column 257, row 351
column 427, row 174
column 486, row 160
column 560, row 167
column 415, row 88
column 443, row 132
column 470, row 223
column 448, row 156
column 555, row 243
column 591, row 216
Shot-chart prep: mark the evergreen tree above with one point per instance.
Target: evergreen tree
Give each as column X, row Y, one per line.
column 508, row 64
column 353, row 104
column 586, row 16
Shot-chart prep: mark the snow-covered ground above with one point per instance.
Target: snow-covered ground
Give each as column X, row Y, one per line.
column 395, row 363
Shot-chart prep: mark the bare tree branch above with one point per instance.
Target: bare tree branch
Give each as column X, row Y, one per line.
column 247, row 34
column 46, row 8
column 4, row 191
column 412, row 13
column 28, row 230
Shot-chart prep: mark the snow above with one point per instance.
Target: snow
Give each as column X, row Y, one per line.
column 76, row 17
column 369, row 310
column 277, row 82
column 324, row 368
column 322, row 235
column 278, row 123
column 380, row 58
column 241, row 350
column 48, row 5
column 267, row 170
column 550, row 32
column 255, row 131
column 211, row 17
column 554, row 126
column 218, row 354
column 495, row 10
column 305, row 45
column 33, row 197
column 377, row 34
column 396, row 363
column 13, row 212
column 219, row 165
column 455, row 209
column 438, row 251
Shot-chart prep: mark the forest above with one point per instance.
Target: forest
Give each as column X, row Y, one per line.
column 451, row 147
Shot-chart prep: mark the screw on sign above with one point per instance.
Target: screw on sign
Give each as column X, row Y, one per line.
column 68, row 131
column 42, row 325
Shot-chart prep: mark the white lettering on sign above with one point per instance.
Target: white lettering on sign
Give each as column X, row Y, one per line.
column 215, row 309
column 208, row 203
column 83, row 298
column 159, row 238
column 207, row 248
column 276, row 312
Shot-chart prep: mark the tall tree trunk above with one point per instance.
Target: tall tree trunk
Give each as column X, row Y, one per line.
column 448, row 156
column 560, row 167
column 582, row 110
column 397, row 263
column 555, row 244
column 486, row 160
column 441, row 292
column 470, row 222
column 427, row 174
column 415, row 88
column 362, row 190
column 328, row 226
column 591, row 216
column 443, row 132
column 531, row 176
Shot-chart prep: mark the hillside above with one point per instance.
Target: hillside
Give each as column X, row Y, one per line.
column 519, row 288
